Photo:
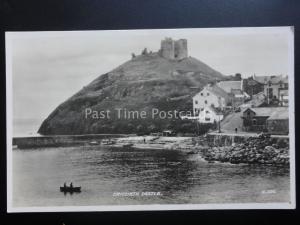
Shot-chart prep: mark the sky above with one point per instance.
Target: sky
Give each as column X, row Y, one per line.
column 49, row 67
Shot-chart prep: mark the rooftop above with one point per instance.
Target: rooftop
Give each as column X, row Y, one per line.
column 257, row 100
column 217, row 91
column 229, row 85
column 271, row 112
column 273, row 79
column 280, row 114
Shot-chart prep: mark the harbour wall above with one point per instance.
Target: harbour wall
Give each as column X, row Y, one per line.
column 60, row 140
column 228, row 139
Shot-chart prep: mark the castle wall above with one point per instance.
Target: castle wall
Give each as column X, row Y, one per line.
column 167, row 48
column 171, row 49
column 180, row 49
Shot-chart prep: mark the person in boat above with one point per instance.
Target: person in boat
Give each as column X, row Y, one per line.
column 65, row 185
column 71, row 185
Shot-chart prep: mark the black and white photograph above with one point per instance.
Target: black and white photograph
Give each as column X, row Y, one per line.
column 150, row 119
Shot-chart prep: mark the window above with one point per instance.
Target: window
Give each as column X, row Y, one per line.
column 254, row 121
column 205, row 101
column 207, row 111
column 207, row 119
column 201, row 94
column 196, row 102
column 207, row 94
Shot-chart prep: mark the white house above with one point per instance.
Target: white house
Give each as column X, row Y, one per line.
column 212, row 96
column 209, row 115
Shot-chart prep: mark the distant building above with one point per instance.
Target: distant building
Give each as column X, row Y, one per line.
column 171, row 49
column 252, row 86
column 266, row 119
column 284, row 97
column 278, row 122
column 273, row 85
column 257, row 100
column 234, row 89
column 212, row 96
column 228, row 86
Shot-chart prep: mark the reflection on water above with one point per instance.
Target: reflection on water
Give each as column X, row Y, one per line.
column 102, row 172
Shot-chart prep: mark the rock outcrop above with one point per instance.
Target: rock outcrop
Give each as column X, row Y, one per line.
column 262, row 150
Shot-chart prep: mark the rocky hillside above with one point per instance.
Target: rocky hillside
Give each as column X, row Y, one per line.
column 145, row 82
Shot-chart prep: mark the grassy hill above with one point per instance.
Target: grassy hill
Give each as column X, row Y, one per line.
column 141, row 84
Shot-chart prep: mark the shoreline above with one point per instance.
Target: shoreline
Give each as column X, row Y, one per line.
column 250, row 149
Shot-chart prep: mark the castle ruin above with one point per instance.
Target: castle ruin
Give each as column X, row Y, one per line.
column 174, row 49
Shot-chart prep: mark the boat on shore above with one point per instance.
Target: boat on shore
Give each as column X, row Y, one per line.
column 93, row 143
column 66, row 189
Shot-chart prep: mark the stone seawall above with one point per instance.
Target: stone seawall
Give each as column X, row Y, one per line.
column 229, row 139
column 60, row 140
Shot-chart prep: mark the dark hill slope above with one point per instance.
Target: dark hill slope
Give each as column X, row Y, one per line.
column 141, row 84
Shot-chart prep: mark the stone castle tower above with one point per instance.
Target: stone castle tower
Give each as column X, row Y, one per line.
column 171, row 49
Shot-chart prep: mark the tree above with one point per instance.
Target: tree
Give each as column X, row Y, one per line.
column 238, row 76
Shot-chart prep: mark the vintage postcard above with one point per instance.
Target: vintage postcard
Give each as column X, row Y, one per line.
column 166, row 119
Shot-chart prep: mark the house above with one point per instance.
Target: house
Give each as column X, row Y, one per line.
column 257, row 100
column 235, row 91
column 261, row 119
column 284, row 97
column 210, row 96
column 278, row 122
column 207, row 115
column 210, row 115
column 252, row 86
column 273, row 85
column 238, row 97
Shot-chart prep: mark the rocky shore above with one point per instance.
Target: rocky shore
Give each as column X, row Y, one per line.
column 254, row 150
column 261, row 150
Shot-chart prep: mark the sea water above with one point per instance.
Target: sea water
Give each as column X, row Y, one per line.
column 116, row 176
